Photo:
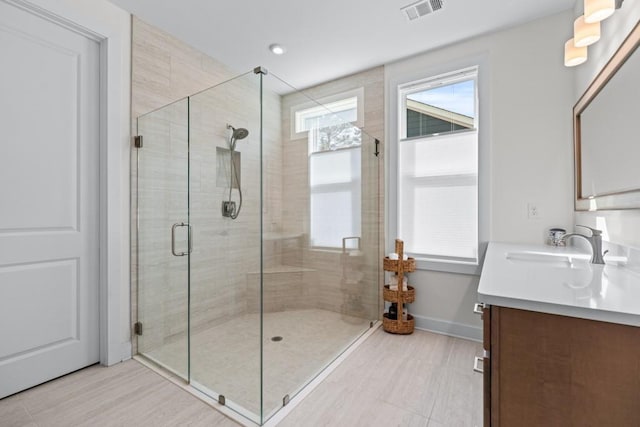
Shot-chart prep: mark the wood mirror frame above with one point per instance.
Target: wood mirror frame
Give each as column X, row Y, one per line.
column 627, row 199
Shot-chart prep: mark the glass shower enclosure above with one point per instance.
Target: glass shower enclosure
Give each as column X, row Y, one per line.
column 257, row 250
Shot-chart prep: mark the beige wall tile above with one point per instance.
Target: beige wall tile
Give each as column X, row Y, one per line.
column 330, row 292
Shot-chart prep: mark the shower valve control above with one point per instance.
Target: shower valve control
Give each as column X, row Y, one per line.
column 228, row 208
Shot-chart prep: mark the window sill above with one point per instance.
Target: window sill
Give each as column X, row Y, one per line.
column 468, row 268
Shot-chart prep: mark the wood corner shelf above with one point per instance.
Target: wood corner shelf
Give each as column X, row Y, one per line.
column 391, row 295
column 399, row 296
column 408, row 265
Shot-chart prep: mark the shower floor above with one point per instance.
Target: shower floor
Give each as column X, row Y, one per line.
column 225, row 358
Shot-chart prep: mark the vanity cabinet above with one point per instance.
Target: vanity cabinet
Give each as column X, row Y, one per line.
column 551, row 370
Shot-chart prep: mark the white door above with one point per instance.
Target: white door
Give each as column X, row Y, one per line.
column 49, row 184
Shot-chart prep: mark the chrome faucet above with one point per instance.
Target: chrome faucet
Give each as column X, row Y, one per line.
column 595, row 240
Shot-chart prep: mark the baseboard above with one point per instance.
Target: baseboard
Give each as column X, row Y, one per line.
column 125, row 351
column 444, row 327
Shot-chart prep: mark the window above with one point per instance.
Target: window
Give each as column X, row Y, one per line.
column 442, row 109
column 335, row 196
column 329, row 111
column 438, row 167
column 334, row 167
column 343, row 111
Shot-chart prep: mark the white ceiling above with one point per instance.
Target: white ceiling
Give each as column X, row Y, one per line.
column 329, row 38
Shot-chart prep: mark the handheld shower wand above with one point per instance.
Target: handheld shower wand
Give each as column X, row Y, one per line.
column 228, row 207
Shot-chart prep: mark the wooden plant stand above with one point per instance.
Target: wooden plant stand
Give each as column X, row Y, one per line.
column 399, row 296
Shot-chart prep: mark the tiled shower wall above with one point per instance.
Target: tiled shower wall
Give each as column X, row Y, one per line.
column 326, row 285
column 224, row 259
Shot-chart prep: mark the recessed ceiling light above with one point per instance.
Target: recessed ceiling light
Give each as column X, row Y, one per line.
column 277, row 49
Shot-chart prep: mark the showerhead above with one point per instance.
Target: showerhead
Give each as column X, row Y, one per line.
column 237, row 134
column 240, row 133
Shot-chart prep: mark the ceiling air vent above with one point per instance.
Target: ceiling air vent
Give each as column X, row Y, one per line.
column 421, row 8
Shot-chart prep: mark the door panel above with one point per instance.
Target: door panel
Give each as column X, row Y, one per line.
column 49, row 188
column 49, row 291
column 162, row 200
column 35, row 111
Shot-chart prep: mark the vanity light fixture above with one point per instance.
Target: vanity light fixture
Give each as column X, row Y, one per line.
column 276, row 49
column 585, row 34
column 586, row 29
column 574, row 55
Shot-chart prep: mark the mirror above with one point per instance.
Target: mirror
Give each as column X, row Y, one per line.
column 606, row 134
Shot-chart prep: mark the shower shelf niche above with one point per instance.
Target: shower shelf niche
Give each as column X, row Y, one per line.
column 399, row 296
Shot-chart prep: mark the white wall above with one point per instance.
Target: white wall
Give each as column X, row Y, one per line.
column 623, row 226
column 530, row 99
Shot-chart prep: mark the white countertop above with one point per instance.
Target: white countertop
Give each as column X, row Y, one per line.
column 560, row 281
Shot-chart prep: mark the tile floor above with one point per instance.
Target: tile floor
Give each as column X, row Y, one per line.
column 226, row 357
column 126, row 394
column 423, row 379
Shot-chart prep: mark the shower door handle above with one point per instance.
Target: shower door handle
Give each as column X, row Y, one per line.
column 173, row 238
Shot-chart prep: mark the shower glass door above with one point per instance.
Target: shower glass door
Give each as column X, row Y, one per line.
column 320, row 243
column 162, row 244
column 226, row 280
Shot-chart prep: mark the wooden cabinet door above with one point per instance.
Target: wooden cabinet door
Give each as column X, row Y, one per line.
column 549, row 370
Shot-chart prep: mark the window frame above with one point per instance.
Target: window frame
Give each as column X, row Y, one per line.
column 410, row 76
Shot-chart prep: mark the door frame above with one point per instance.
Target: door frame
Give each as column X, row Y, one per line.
column 110, row 26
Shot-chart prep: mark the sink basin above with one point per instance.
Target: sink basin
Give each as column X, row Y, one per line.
column 546, row 259
column 539, row 258
column 576, row 273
